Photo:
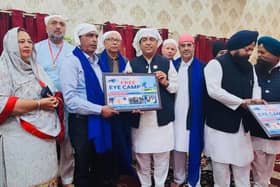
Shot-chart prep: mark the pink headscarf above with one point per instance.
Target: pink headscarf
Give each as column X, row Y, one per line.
column 185, row 38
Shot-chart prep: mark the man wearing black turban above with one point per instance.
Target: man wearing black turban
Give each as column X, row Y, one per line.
column 219, row 48
column 268, row 72
column 231, row 85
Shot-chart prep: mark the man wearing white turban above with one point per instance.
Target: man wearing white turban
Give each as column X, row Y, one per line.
column 116, row 62
column 152, row 132
column 50, row 54
column 89, row 127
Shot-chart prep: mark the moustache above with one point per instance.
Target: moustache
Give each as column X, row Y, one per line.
column 263, row 61
column 242, row 63
column 263, row 65
column 186, row 51
column 240, row 58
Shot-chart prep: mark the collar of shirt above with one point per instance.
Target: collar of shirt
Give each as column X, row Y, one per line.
column 186, row 64
column 276, row 66
column 114, row 59
column 149, row 61
column 53, row 45
column 92, row 61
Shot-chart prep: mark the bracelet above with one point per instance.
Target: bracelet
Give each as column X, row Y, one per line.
column 38, row 104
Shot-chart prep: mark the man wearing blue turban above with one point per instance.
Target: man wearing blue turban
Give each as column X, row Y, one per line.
column 268, row 72
column 231, row 84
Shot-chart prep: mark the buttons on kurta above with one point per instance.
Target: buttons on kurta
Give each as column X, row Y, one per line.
column 155, row 67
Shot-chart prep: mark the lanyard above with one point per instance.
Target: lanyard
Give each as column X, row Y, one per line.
column 51, row 52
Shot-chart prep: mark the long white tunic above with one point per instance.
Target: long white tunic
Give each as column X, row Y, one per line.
column 229, row 148
column 149, row 137
column 182, row 103
column 266, row 145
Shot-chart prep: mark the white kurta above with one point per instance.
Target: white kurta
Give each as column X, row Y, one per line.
column 182, row 103
column 229, row 148
column 266, row 145
column 149, row 137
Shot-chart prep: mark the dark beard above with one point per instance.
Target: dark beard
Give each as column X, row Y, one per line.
column 263, row 66
column 242, row 63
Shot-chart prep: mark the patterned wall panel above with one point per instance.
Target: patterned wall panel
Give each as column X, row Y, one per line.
column 209, row 17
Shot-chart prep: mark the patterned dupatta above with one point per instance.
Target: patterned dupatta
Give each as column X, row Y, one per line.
column 21, row 80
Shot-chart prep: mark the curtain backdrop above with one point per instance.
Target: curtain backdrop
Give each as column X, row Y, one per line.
column 128, row 32
column 34, row 24
column 17, row 19
column 203, row 47
column 5, row 25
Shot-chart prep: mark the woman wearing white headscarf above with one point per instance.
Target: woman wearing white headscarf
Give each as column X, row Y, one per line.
column 28, row 123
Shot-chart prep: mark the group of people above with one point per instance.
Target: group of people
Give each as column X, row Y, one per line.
column 204, row 109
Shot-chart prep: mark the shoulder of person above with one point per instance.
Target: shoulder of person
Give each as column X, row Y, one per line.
column 165, row 57
column 223, row 58
column 124, row 57
column 98, row 55
column 135, row 59
column 203, row 64
column 160, row 57
column 39, row 44
column 213, row 62
column 70, row 57
column 69, row 45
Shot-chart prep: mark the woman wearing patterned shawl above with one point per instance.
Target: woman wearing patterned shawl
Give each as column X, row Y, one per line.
column 29, row 123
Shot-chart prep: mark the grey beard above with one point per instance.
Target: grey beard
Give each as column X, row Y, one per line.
column 56, row 38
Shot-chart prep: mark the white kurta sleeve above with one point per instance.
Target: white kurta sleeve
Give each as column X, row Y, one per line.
column 257, row 92
column 6, row 89
column 172, row 78
column 213, row 77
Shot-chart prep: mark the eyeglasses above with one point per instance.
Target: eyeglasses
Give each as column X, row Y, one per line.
column 113, row 40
